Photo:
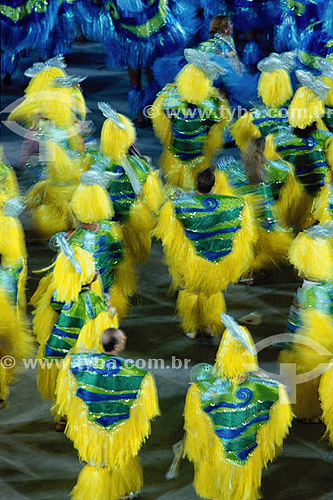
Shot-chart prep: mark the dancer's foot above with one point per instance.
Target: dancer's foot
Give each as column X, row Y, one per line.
column 2, row 404
column 61, row 425
column 191, row 335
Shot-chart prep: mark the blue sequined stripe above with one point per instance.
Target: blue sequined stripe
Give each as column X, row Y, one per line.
column 195, row 236
column 89, row 396
column 228, row 434
column 108, row 420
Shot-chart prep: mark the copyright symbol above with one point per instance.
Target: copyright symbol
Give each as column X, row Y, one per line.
column 7, row 362
column 150, row 111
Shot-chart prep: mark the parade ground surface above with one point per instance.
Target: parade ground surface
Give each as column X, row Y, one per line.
column 37, row 463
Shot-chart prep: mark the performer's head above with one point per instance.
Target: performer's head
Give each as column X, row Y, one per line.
column 113, row 341
column 254, row 159
column 205, row 181
column 221, row 24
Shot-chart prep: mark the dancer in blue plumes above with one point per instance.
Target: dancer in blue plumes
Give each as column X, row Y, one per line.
column 134, row 33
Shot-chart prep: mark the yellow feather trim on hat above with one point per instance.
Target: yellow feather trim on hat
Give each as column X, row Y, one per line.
column 193, row 84
column 115, row 141
column 275, row 87
column 305, row 108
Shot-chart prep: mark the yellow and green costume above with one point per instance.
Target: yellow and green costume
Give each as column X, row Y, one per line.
column 268, row 200
column 67, row 313
column 235, row 422
column 136, row 191
column 190, row 117
column 109, row 405
column 207, row 241
column 15, row 339
column 312, row 159
column 312, row 255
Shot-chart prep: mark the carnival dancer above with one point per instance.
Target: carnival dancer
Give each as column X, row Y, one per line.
column 109, row 404
column 233, row 80
column 235, row 420
column 307, row 148
column 207, row 241
column 275, row 90
column 307, row 12
column 136, row 32
column 49, row 199
column 15, row 338
column 190, row 118
column 136, row 191
column 68, row 313
column 49, row 112
column 256, row 179
column 220, row 42
column 24, row 27
column 96, row 233
column 316, row 42
column 312, row 255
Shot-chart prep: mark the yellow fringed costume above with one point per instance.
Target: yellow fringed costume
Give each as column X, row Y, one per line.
column 15, row 337
column 49, row 199
column 136, row 190
column 307, row 104
column 49, row 112
column 235, row 421
column 326, row 397
column 312, row 255
column 68, row 313
column 207, row 242
column 8, row 182
column 117, row 426
column 309, row 148
column 190, row 118
column 96, row 233
column 233, row 178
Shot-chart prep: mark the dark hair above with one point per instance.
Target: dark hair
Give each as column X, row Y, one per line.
column 205, row 181
column 305, row 132
column 254, row 159
column 110, row 339
column 219, row 24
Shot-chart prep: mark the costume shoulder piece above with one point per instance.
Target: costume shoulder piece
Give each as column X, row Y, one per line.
column 105, row 247
column 210, row 222
column 238, row 413
column 108, row 387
